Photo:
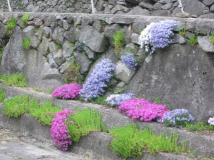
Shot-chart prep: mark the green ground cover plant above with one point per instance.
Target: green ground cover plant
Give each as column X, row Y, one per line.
column 193, row 39
column 130, row 142
column 198, row 126
column 2, row 94
column 18, row 105
column 24, row 20
column 11, row 24
column 84, row 121
column 26, row 43
column 16, row 79
column 119, row 40
column 182, row 30
column 44, row 113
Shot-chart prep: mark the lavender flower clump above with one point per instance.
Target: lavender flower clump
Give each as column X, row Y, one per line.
column 117, row 99
column 177, row 117
column 211, row 121
column 157, row 35
column 129, row 60
column 97, row 80
column 161, row 34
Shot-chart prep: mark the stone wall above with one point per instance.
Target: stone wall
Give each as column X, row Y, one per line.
column 195, row 8
column 181, row 75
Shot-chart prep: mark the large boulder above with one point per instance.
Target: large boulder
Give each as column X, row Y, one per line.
column 181, row 75
column 30, row 62
column 96, row 41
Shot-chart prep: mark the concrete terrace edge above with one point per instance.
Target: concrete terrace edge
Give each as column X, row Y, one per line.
column 111, row 117
column 201, row 24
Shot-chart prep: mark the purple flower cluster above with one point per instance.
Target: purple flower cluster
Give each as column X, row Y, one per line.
column 161, row 34
column 117, row 99
column 143, row 109
column 129, row 60
column 59, row 129
column 68, row 91
column 177, row 117
column 97, row 80
column 211, row 121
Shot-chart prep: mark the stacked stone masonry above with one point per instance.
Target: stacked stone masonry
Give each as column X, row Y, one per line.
column 181, row 75
column 195, row 8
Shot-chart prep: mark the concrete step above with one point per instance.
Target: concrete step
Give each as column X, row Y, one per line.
column 26, row 148
column 27, row 125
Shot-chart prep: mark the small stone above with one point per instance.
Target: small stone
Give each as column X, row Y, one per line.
column 134, row 38
column 205, row 44
column 51, row 61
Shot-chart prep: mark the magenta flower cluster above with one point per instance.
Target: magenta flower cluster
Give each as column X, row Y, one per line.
column 59, row 129
column 142, row 109
column 129, row 60
column 95, row 84
column 68, row 91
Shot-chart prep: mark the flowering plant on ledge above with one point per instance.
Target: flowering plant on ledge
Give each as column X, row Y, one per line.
column 59, row 131
column 68, row 91
column 129, row 60
column 95, row 84
column 142, row 109
column 157, row 35
column 117, row 99
column 177, row 117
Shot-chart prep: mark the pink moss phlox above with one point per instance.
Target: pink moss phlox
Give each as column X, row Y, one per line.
column 142, row 109
column 59, row 129
column 68, row 91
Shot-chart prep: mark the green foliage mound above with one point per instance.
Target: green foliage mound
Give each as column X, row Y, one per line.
column 199, row 126
column 2, row 94
column 14, row 80
column 129, row 142
column 11, row 24
column 26, row 43
column 18, row 105
column 85, row 120
column 44, row 113
column 24, row 20
column 119, row 40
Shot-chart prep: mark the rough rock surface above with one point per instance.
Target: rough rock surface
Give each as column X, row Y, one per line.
column 82, row 61
column 123, row 73
column 96, row 41
column 30, row 62
column 181, row 75
column 205, row 44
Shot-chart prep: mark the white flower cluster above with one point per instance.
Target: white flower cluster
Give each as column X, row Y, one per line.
column 144, row 38
column 117, row 99
column 211, row 121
